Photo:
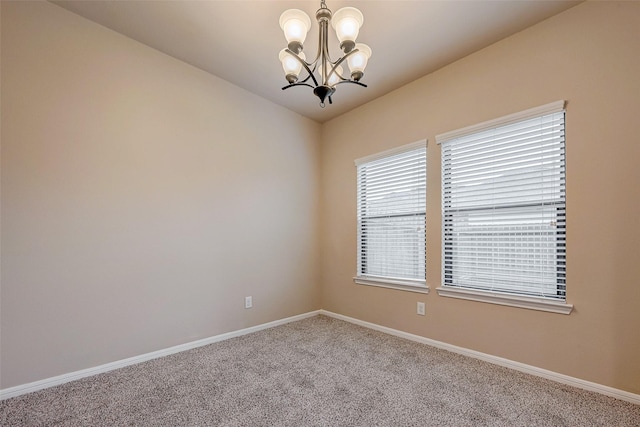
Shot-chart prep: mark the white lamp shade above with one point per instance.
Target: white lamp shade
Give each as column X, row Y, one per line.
column 333, row 78
column 295, row 24
column 358, row 61
column 291, row 65
column 347, row 22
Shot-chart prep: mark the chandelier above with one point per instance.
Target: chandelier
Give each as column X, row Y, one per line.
column 347, row 22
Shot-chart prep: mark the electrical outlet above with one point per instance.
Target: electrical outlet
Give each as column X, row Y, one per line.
column 248, row 302
column 420, row 310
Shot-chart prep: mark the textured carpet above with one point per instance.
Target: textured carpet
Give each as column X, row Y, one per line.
column 316, row 372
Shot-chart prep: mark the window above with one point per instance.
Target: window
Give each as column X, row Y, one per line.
column 391, row 212
column 503, row 210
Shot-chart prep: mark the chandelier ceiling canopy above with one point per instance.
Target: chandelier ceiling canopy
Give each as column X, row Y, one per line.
column 322, row 74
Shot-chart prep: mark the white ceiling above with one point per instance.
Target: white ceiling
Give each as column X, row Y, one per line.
column 239, row 40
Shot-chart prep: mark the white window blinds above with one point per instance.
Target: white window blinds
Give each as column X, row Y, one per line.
column 503, row 199
column 391, row 208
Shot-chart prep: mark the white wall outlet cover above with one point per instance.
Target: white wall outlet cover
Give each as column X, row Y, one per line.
column 421, row 309
column 248, row 302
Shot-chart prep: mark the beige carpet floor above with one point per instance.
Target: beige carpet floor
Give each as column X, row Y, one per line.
column 316, row 372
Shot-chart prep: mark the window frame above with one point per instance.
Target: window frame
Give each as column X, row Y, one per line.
column 489, row 296
column 405, row 284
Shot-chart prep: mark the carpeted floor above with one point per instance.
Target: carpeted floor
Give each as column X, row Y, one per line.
column 316, row 372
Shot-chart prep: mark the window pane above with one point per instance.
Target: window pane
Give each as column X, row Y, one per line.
column 508, row 249
column 503, row 200
column 391, row 215
column 394, row 247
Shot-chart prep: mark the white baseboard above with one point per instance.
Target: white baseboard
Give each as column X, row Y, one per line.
column 539, row 372
column 65, row 378
column 554, row 376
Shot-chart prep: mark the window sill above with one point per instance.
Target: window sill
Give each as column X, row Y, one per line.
column 531, row 303
column 402, row 285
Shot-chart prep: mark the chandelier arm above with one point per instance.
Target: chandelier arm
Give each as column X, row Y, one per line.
column 338, row 62
column 319, row 50
column 297, row 84
column 305, row 80
column 304, row 64
column 351, row 81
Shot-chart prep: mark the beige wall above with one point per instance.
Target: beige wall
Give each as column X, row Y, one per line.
column 142, row 199
column 589, row 56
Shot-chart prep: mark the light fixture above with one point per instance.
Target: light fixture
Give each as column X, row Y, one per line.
column 323, row 74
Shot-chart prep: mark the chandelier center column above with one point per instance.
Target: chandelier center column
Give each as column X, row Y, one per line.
column 323, row 16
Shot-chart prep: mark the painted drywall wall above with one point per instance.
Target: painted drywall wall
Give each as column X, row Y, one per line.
column 588, row 56
column 142, row 199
